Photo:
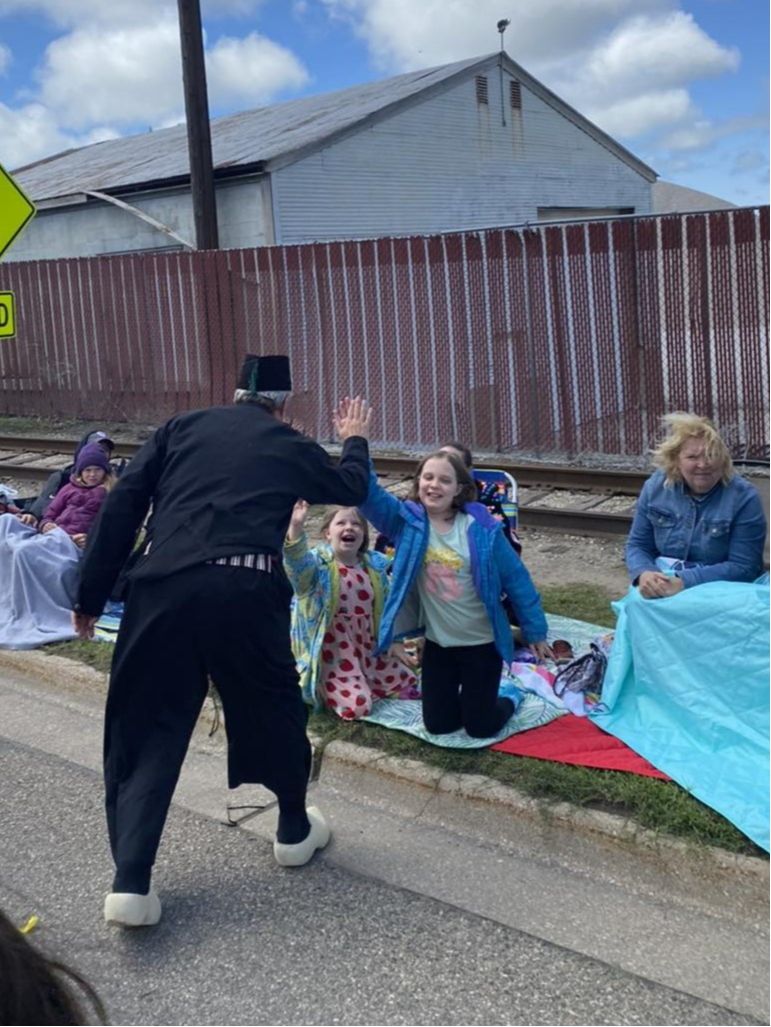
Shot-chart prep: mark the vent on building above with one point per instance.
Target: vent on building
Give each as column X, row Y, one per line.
column 515, row 95
column 482, row 89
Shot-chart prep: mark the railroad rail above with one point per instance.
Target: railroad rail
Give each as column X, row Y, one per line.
column 18, row 455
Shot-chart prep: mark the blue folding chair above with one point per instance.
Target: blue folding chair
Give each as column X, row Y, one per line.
column 499, row 490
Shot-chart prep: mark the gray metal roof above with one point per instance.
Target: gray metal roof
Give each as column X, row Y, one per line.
column 279, row 133
column 669, row 198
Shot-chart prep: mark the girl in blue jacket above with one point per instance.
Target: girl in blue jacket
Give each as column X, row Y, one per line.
column 451, row 565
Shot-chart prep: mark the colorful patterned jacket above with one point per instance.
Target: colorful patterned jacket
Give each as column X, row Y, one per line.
column 315, row 580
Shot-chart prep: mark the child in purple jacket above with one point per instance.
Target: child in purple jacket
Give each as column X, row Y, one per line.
column 74, row 508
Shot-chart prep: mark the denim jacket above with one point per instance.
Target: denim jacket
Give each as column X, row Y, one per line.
column 495, row 568
column 719, row 537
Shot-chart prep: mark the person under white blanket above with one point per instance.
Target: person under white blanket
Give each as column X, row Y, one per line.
column 39, row 582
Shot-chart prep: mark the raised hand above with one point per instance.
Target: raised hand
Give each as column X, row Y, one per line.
column 352, row 417
column 297, row 523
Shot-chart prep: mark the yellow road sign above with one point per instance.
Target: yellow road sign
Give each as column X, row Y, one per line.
column 15, row 210
column 7, row 315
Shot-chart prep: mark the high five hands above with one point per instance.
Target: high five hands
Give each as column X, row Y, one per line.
column 352, row 417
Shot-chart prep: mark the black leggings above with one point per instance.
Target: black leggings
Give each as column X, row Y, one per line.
column 460, row 689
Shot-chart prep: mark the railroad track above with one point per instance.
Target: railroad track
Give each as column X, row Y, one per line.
column 31, row 459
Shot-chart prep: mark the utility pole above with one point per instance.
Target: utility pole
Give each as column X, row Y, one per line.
column 198, row 131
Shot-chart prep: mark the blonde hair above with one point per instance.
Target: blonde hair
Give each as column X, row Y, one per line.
column 682, row 427
column 109, row 480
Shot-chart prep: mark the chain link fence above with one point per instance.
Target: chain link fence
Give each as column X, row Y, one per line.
column 552, row 339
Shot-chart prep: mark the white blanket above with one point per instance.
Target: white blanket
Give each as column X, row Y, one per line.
column 38, row 580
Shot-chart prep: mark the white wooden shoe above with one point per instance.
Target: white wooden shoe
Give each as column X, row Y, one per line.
column 298, row 855
column 132, row 910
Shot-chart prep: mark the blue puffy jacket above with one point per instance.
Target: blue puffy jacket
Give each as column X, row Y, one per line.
column 495, row 568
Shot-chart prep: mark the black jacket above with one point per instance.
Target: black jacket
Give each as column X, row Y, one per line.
column 221, row 481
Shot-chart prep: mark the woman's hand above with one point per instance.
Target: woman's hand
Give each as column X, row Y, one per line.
column 49, row 526
column 351, row 418
column 655, row 585
column 541, row 651
column 79, row 540
column 297, row 523
column 29, row 519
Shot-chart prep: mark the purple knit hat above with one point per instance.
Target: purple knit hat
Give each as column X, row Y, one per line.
column 92, row 455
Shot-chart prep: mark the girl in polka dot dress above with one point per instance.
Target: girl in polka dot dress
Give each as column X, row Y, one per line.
column 339, row 590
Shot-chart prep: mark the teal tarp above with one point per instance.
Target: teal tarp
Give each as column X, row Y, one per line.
column 687, row 687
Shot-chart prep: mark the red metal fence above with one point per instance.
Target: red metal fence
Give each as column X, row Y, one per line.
column 568, row 338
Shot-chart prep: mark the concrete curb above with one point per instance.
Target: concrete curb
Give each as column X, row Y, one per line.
column 60, row 670
column 593, row 822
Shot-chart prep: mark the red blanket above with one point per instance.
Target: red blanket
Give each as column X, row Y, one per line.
column 578, row 740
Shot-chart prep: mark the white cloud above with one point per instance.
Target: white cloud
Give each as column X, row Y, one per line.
column 634, row 80
column 6, row 57
column 133, row 75
column 625, row 64
column 638, row 115
column 107, row 78
column 126, row 75
column 29, row 132
column 32, row 131
column 75, row 13
column 80, row 13
column 703, row 132
column 405, row 35
column 668, row 50
column 252, row 70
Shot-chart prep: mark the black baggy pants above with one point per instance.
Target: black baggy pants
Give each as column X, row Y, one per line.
column 227, row 623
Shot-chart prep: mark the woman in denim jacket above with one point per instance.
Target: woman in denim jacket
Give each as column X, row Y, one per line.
column 695, row 515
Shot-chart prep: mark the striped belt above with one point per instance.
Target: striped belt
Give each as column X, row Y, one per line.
column 254, row 561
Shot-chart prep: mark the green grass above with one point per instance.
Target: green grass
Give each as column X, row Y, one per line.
column 96, row 654
column 583, row 602
column 660, row 806
column 26, row 425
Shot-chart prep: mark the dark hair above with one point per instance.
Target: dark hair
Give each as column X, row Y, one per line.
column 468, row 492
column 465, row 452
column 332, row 512
column 36, row 989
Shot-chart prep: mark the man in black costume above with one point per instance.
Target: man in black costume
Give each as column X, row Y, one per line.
column 208, row 598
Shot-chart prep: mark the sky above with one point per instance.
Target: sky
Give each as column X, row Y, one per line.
column 683, row 84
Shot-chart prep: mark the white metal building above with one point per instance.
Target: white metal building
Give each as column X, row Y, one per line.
column 467, row 145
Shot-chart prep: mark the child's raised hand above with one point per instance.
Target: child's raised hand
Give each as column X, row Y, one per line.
column 352, row 417
column 297, row 522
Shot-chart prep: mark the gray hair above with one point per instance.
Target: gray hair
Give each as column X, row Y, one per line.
column 268, row 400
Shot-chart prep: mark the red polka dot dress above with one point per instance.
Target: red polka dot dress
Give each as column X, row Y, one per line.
column 351, row 680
